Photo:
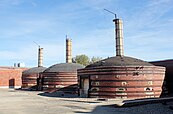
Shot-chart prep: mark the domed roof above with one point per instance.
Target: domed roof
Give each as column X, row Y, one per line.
column 33, row 70
column 64, row 67
column 120, row 61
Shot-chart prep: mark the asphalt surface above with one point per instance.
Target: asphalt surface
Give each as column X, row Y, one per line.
column 31, row 102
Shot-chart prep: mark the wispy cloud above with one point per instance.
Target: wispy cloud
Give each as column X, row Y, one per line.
column 10, row 3
column 148, row 31
column 147, row 28
column 149, row 15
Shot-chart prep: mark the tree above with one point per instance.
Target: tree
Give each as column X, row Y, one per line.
column 82, row 59
column 95, row 59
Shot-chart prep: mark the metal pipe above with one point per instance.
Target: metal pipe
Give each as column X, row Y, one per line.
column 68, row 51
column 40, row 57
column 119, row 37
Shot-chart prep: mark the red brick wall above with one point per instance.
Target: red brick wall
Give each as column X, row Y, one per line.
column 11, row 77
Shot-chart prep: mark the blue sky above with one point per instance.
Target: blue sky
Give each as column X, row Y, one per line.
column 148, row 29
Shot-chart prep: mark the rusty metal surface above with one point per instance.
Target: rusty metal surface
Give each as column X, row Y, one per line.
column 124, row 82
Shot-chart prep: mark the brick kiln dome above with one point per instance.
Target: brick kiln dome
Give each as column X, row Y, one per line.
column 34, row 70
column 120, row 61
column 64, row 67
column 61, row 76
column 121, row 77
column 30, row 77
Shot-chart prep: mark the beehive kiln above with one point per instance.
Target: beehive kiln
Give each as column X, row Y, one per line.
column 30, row 77
column 121, row 76
column 63, row 75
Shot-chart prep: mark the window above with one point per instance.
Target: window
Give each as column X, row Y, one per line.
column 120, row 89
column 95, row 89
column 148, row 89
column 97, row 83
column 124, row 83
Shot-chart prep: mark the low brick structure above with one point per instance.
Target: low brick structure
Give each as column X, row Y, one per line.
column 10, row 77
column 168, row 81
column 30, row 77
column 63, row 75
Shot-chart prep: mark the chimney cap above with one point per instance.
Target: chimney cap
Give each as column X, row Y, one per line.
column 117, row 19
column 67, row 38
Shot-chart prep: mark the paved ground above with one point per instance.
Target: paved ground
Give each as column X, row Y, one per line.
column 26, row 102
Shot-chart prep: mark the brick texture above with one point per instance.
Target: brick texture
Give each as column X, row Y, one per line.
column 10, row 77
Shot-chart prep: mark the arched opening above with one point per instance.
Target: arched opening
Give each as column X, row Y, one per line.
column 84, row 87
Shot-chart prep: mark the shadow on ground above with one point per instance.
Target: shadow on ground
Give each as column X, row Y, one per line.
column 59, row 94
column 156, row 108
column 66, row 92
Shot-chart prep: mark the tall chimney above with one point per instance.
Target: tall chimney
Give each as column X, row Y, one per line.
column 68, row 51
column 40, row 57
column 119, row 37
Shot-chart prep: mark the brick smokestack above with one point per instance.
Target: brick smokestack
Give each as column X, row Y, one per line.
column 40, row 57
column 119, row 37
column 68, row 51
